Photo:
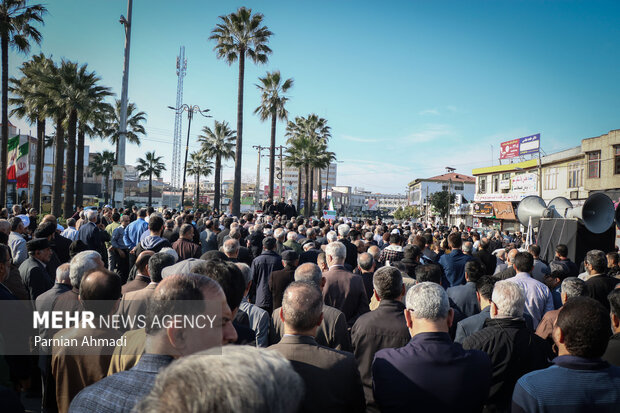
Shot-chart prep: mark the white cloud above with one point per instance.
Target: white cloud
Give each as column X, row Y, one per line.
column 356, row 139
column 429, row 132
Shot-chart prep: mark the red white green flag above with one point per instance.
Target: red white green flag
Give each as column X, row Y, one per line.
column 18, row 162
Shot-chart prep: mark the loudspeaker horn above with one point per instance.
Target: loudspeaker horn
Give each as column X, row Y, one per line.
column 597, row 213
column 618, row 216
column 558, row 206
column 531, row 206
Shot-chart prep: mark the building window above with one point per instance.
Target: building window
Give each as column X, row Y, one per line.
column 617, row 159
column 458, row 187
column 482, row 184
column 506, row 176
column 496, row 183
column 551, row 179
column 594, row 165
column 575, row 175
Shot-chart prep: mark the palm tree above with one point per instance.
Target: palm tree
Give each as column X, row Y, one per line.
column 197, row 166
column 325, row 160
column 219, row 144
column 17, row 31
column 91, row 122
column 135, row 128
column 239, row 35
column 25, row 105
column 148, row 167
column 272, row 106
column 303, row 153
column 102, row 165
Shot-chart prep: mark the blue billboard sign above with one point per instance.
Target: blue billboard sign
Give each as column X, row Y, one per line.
column 529, row 144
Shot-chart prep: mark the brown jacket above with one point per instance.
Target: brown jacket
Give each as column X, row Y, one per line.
column 186, row 249
column 278, row 281
column 140, row 282
column 346, row 292
column 134, row 303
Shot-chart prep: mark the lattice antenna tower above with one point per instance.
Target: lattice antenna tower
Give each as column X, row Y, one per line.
column 177, row 168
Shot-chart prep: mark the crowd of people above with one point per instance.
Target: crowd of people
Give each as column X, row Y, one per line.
column 316, row 315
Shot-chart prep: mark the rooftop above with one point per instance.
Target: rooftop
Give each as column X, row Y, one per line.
column 455, row 177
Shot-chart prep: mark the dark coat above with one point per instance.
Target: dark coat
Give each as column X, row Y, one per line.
column 332, row 379
column 453, row 265
column 290, row 210
column 309, row 256
column 514, row 351
column 431, row 374
column 35, row 278
column 61, row 246
column 599, row 286
column 464, row 296
column 278, row 282
column 138, row 283
column 186, row 249
column 505, row 274
column 384, row 327
column 262, row 267
column 345, row 291
column 351, row 258
column 612, row 354
column 488, row 260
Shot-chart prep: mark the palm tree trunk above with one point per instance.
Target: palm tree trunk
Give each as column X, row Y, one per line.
column 216, row 190
column 70, row 184
column 319, row 192
column 151, row 189
column 236, row 201
column 114, row 180
column 59, row 165
column 311, row 190
column 197, row 193
column 308, row 201
column 38, row 169
column 272, row 156
column 4, row 162
column 79, row 169
column 299, row 191
column 107, row 188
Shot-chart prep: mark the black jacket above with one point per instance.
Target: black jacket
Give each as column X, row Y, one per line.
column 382, row 328
column 514, row 351
column 488, row 260
column 351, row 253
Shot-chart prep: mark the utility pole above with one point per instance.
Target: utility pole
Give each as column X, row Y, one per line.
column 190, row 114
column 281, row 171
column 449, row 171
column 177, row 146
column 120, row 160
column 257, row 189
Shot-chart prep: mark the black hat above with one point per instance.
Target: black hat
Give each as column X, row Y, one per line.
column 45, row 229
column 37, row 244
column 290, row 255
column 269, row 243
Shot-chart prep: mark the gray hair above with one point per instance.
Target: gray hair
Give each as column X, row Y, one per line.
column 343, row 230
column 309, row 272
column 388, row 283
column 185, row 229
column 81, row 263
column 291, row 236
column 573, row 287
column 62, row 273
column 302, row 306
column 226, row 379
column 245, row 270
column 598, row 260
column 332, row 237
column 336, row 250
column 231, row 246
column 467, row 246
column 91, row 215
column 171, row 252
column 428, row 300
column 279, row 234
column 509, row 299
column 268, row 232
column 310, row 232
column 365, row 261
column 5, row 226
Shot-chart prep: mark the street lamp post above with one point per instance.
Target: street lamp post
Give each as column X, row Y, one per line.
column 120, row 160
column 190, row 114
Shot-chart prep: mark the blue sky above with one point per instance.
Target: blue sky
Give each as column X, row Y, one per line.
column 408, row 87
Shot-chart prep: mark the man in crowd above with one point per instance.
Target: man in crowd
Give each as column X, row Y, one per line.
column 17, row 242
column 509, row 271
column 280, row 279
column 153, row 241
column 540, row 268
column 464, row 296
column 351, row 257
column 488, row 260
column 538, row 299
column 32, row 271
column 468, row 326
column 142, row 278
column 208, row 237
column 132, row 234
column 343, row 289
column 384, row 327
column 329, row 373
column 119, row 252
column 612, row 354
column 580, row 380
column 89, row 233
column 366, row 267
column 259, row 319
column 561, row 256
column 120, row 392
column 185, row 246
column 431, row 373
column 599, row 283
column 393, row 252
column 512, row 348
column 262, row 267
column 454, row 263
column 70, row 233
column 81, row 264
column 571, row 287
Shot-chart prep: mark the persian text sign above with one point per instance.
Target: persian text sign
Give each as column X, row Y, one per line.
column 526, row 183
column 503, row 210
column 529, row 144
column 509, row 149
column 484, row 209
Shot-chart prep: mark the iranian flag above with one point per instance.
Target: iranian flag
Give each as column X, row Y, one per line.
column 18, row 162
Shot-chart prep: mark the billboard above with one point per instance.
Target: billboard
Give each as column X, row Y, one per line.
column 518, row 147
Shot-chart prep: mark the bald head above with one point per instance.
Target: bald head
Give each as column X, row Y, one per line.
column 365, row 262
column 302, row 308
column 512, row 254
column 309, row 272
column 62, row 274
column 374, row 251
column 50, row 218
column 143, row 261
column 100, row 291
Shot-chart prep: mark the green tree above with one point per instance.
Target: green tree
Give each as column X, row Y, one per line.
column 272, row 106
column 440, row 201
column 197, row 166
column 218, row 143
column 17, row 31
column 102, row 165
column 303, row 152
column 25, row 105
column 241, row 34
column 408, row 212
column 150, row 166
